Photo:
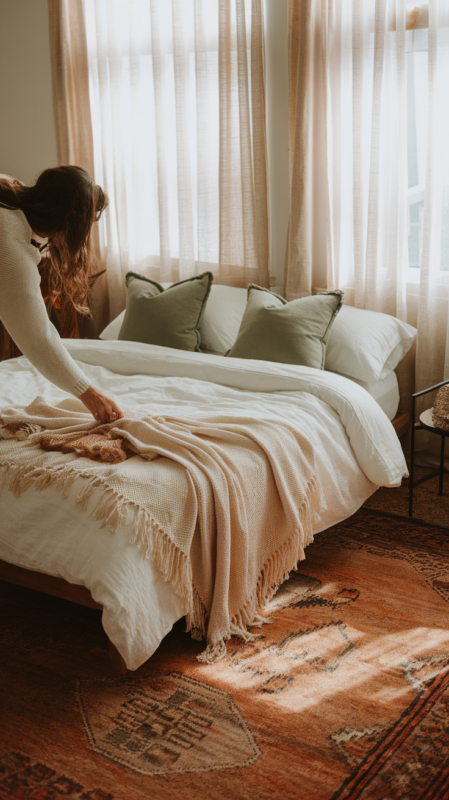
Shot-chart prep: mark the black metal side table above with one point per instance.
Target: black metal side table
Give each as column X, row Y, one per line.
column 425, row 423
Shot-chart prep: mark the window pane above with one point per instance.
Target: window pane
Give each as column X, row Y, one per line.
column 415, row 234
column 156, row 129
column 417, row 96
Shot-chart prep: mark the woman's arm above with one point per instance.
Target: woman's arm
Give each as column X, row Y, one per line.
column 23, row 313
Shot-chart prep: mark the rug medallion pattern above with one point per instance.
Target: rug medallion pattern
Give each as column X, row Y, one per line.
column 167, row 723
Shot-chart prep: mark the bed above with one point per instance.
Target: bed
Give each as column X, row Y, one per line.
column 54, row 546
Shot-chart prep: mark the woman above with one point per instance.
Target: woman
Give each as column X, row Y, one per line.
column 62, row 206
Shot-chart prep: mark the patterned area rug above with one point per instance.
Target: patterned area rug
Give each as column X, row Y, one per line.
column 428, row 505
column 344, row 696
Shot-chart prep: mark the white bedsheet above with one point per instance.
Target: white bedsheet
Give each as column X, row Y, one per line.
column 355, row 444
column 385, row 392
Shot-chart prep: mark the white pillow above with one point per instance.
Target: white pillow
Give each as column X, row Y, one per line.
column 112, row 330
column 222, row 317
column 367, row 345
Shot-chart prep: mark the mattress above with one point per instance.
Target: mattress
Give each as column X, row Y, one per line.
column 385, row 392
column 355, row 446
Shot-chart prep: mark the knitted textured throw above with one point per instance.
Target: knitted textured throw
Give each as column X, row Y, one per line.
column 100, row 447
column 224, row 506
column 440, row 415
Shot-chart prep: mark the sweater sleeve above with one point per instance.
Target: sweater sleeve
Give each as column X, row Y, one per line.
column 23, row 312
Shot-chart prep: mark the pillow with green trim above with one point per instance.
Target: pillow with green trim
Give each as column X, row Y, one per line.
column 169, row 317
column 293, row 333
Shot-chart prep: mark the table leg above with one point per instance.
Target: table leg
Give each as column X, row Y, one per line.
column 440, row 488
column 412, row 463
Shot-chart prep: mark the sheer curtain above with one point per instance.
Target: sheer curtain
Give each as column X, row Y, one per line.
column 364, row 57
column 432, row 362
column 384, row 67
column 73, row 124
column 305, row 253
column 176, row 98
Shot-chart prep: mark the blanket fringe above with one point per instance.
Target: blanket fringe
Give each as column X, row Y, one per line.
column 213, row 653
column 196, row 619
column 273, row 573
column 111, row 510
column 19, row 430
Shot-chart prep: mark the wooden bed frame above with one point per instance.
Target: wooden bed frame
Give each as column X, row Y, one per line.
column 401, row 424
column 58, row 587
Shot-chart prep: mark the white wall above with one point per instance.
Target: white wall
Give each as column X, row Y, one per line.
column 27, row 130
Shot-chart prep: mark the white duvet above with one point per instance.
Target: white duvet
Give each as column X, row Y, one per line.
column 355, row 444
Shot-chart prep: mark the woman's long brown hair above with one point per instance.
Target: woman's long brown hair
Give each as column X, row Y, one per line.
column 62, row 205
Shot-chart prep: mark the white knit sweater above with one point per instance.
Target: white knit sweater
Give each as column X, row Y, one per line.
column 22, row 309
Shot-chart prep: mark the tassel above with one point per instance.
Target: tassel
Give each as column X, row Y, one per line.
column 213, row 653
column 19, row 430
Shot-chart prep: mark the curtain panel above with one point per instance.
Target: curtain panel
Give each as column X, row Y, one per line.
column 301, row 67
column 165, row 100
column 384, row 211
column 73, row 124
column 70, row 77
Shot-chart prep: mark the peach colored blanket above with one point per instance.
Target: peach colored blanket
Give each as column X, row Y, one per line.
column 223, row 505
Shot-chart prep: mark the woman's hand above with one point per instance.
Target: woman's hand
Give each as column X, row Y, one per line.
column 100, row 406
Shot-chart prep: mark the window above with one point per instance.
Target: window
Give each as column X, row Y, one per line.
column 416, row 49
column 417, row 139
column 155, row 88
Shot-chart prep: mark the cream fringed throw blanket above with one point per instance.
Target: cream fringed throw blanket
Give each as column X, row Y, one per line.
column 224, row 506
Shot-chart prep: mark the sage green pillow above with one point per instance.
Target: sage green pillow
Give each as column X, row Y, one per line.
column 293, row 333
column 169, row 317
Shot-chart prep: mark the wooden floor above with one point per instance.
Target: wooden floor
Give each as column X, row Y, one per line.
column 58, row 587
